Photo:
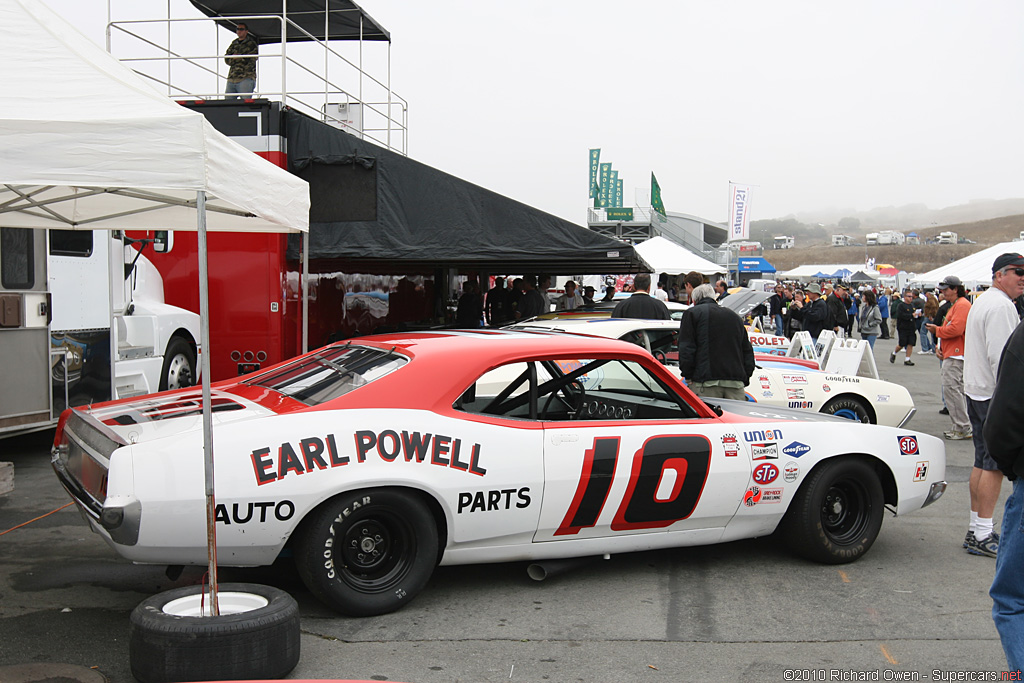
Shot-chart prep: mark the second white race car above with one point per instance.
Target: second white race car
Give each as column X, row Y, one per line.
column 777, row 381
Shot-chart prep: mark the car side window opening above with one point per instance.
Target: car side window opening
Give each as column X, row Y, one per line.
column 556, row 390
column 664, row 345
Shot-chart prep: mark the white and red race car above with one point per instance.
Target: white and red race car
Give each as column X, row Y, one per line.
column 377, row 459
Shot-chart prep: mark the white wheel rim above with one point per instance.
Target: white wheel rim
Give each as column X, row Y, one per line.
column 230, row 603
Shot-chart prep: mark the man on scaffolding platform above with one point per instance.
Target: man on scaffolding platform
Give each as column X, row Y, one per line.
column 242, row 71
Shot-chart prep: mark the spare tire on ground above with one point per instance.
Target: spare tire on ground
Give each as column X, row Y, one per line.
column 256, row 635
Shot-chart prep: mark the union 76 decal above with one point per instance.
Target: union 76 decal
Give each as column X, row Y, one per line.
column 689, row 456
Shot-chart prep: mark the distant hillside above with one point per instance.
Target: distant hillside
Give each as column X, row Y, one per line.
column 911, row 258
column 915, row 216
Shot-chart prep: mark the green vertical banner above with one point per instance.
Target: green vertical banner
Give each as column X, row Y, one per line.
column 613, row 183
column 656, row 203
column 618, row 193
column 605, row 195
column 595, row 187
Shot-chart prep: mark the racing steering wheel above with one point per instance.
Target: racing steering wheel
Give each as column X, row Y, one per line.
column 577, row 394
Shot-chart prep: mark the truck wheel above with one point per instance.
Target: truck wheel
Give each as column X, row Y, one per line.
column 256, row 635
column 837, row 513
column 368, row 552
column 179, row 370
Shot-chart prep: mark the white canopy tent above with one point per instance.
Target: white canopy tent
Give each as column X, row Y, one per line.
column 665, row 256
column 87, row 144
column 810, row 272
column 973, row 270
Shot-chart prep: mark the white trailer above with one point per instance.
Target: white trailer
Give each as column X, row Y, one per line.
column 891, row 237
column 871, row 239
column 784, row 242
column 76, row 305
column 946, row 237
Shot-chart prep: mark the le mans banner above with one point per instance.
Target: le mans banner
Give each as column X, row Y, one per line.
column 739, row 212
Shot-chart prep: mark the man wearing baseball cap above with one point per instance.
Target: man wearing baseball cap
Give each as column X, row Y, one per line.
column 813, row 314
column 990, row 322
column 951, row 354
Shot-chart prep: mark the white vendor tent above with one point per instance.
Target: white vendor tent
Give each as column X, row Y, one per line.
column 88, row 144
column 665, row 256
column 972, row 270
column 820, row 271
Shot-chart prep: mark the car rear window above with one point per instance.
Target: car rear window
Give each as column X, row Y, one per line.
column 330, row 372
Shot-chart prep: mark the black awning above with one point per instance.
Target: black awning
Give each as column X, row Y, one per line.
column 376, row 208
column 345, row 19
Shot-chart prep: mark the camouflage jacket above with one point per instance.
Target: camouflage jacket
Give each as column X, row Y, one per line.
column 242, row 68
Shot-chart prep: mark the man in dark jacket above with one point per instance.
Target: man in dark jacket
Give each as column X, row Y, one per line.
column 715, row 354
column 813, row 313
column 1004, row 438
column 641, row 304
column 532, row 303
column 775, row 306
column 906, row 316
column 499, row 304
column 837, row 306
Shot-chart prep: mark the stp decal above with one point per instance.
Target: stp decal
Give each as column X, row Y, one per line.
column 765, row 473
column 908, row 445
column 921, row 471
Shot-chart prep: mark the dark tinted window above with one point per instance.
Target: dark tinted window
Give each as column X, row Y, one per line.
column 71, row 242
column 17, row 258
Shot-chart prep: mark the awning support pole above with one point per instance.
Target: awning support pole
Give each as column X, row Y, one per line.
column 204, row 337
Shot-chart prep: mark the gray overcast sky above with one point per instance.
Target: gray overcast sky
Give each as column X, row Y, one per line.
column 816, row 104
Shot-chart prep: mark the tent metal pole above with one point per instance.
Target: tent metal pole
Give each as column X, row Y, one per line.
column 305, row 291
column 112, row 282
column 204, row 336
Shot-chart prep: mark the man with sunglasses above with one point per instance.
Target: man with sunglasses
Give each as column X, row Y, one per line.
column 241, row 70
column 990, row 323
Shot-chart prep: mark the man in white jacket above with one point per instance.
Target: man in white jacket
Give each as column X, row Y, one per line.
column 990, row 322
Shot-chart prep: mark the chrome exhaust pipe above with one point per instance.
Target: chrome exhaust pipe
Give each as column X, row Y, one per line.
column 538, row 571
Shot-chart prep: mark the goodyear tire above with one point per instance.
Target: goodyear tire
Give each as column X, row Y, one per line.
column 368, row 552
column 850, row 408
column 256, row 636
column 837, row 513
column 179, row 368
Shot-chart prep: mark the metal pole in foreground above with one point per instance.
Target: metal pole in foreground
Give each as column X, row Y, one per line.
column 204, row 337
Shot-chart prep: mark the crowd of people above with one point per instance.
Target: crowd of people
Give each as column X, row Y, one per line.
column 979, row 346
column 980, row 350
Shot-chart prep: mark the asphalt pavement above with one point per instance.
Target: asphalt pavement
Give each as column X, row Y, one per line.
column 916, row 607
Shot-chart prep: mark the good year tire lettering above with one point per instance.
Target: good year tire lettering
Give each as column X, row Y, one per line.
column 689, row 456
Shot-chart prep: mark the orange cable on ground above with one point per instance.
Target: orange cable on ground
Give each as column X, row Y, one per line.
column 36, row 519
